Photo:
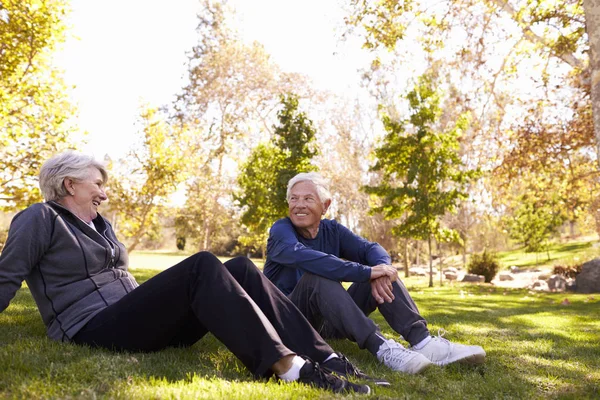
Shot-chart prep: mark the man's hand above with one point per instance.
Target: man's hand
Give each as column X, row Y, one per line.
column 384, row 270
column 381, row 289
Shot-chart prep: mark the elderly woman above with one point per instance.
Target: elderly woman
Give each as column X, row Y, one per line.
column 76, row 269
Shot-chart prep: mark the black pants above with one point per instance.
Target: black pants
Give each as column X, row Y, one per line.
column 337, row 313
column 233, row 301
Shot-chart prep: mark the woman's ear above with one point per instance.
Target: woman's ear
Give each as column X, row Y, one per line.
column 68, row 184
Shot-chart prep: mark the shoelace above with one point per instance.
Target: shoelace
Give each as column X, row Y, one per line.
column 440, row 337
column 390, row 355
column 322, row 375
column 348, row 366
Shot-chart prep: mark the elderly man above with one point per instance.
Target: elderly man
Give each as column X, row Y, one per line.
column 307, row 258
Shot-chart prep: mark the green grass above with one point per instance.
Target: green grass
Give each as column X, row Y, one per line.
column 569, row 253
column 162, row 260
column 537, row 348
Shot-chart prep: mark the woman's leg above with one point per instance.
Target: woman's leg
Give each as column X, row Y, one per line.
column 179, row 305
column 293, row 328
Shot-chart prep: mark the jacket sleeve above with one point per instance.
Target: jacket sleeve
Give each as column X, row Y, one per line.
column 356, row 248
column 285, row 249
column 28, row 239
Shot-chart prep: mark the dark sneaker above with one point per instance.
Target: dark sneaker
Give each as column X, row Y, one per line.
column 313, row 374
column 343, row 367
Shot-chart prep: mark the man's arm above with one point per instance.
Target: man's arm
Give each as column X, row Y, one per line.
column 285, row 249
column 28, row 240
column 358, row 249
column 354, row 247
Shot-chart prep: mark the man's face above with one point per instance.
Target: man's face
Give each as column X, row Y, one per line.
column 305, row 206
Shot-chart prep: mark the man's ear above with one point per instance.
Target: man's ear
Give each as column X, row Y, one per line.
column 326, row 206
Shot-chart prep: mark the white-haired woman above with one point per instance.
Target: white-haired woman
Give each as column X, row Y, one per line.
column 76, row 270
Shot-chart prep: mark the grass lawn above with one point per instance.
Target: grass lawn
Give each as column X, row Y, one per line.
column 162, row 260
column 537, row 348
column 569, row 253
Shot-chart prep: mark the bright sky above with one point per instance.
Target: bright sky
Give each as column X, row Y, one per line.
column 121, row 54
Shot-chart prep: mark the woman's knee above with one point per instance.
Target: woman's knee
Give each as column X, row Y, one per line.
column 241, row 265
column 204, row 260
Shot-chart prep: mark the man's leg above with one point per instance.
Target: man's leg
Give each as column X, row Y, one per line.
column 295, row 331
column 179, row 305
column 331, row 310
column 401, row 314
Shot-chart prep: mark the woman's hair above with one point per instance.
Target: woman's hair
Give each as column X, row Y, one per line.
column 320, row 182
column 69, row 164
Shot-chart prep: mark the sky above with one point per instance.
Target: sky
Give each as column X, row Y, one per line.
column 120, row 54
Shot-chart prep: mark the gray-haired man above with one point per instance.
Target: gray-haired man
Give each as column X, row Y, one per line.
column 307, row 258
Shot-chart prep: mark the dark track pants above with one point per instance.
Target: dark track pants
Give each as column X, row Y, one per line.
column 337, row 313
column 234, row 301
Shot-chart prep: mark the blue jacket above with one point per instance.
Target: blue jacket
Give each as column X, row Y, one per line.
column 336, row 253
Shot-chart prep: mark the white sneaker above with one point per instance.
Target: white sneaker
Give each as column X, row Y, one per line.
column 399, row 358
column 441, row 352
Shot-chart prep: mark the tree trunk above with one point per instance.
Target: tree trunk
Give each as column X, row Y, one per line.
column 464, row 253
column 592, row 22
column 430, row 262
column 406, row 258
column 441, row 263
column 418, row 253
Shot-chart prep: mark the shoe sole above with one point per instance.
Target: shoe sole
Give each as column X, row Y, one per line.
column 473, row 359
column 422, row 368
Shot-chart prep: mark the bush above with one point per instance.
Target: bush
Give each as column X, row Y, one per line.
column 485, row 264
column 180, row 243
column 569, row 271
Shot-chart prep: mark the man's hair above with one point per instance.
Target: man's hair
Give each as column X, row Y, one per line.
column 314, row 177
column 68, row 164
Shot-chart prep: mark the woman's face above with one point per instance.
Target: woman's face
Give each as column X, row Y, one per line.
column 87, row 194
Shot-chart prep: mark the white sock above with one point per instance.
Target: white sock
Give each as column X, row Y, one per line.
column 333, row 355
column 422, row 343
column 294, row 372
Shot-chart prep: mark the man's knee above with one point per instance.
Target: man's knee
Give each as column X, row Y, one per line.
column 320, row 283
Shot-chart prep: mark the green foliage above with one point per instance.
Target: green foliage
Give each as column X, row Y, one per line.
column 485, row 264
column 204, row 220
column 423, row 176
column 180, row 243
column 263, row 178
column 144, row 180
column 34, row 107
column 534, row 220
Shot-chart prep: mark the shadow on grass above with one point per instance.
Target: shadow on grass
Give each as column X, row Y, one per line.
column 536, row 348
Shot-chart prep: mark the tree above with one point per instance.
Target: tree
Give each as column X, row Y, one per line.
column 592, row 18
column 422, row 177
column 263, row 178
column 534, row 220
column 205, row 218
column 228, row 106
column 144, row 180
column 34, row 110
column 233, row 87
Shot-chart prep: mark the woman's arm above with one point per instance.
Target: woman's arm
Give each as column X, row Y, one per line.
column 28, row 239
